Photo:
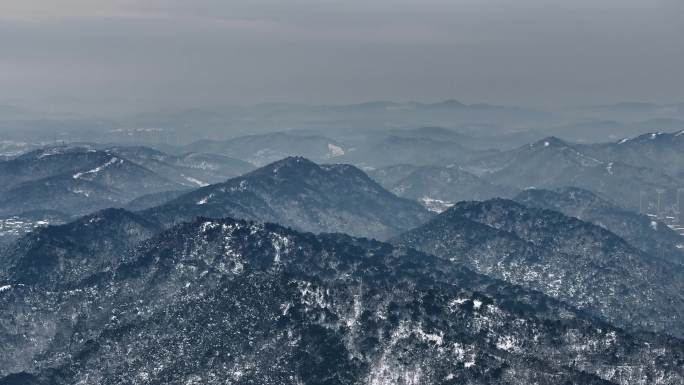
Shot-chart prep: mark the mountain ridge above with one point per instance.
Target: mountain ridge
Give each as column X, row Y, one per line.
column 565, row 258
column 212, row 300
column 299, row 193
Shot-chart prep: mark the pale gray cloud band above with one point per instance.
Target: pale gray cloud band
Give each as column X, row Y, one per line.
column 154, row 53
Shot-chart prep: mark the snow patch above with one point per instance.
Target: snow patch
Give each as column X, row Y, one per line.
column 609, row 168
column 5, row 288
column 206, row 226
column 507, row 343
column 437, row 339
column 280, row 244
column 335, row 151
column 241, row 187
column 477, row 304
column 195, row 181
column 99, row 168
column 205, row 200
column 52, row 151
column 81, row 192
column 435, row 205
column 457, row 301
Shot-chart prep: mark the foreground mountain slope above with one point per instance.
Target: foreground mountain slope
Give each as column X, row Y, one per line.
column 565, row 258
column 299, row 193
column 640, row 231
column 223, row 300
column 14, row 227
column 64, row 255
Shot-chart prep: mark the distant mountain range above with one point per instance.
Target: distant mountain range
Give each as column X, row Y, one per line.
column 634, row 110
column 216, row 300
column 260, row 150
column 430, row 146
column 437, row 187
column 553, row 163
column 76, row 180
column 248, row 120
column 190, row 169
column 129, row 264
column 73, row 180
column 657, row 150
column 392, row 150
column 602, row 130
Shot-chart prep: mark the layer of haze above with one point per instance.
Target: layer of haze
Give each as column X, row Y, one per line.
column 131, row 55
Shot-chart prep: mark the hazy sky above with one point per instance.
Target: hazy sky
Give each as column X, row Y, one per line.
column 149, row 54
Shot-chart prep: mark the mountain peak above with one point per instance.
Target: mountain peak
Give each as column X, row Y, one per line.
column 54, row 150
column 293, row 160
column 549, row 141
column 495, row 204
column 299, row 193
column 289, row 167
column 450, row 103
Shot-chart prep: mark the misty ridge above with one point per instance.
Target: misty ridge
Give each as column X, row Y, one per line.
column 312, row 193
column 520, row 246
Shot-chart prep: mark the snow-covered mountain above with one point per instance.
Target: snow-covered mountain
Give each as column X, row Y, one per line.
column 212, row 301
column 663, row 151
column 192, row 170
column 304, row 195
column 552, row 163
column 641, row 231
column 77, row 180
column 568, row 259
column 73, row 180
column 67, row 254
column 437, row 187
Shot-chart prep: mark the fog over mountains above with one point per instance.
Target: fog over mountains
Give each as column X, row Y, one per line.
column 306, row 192
column 512, row 257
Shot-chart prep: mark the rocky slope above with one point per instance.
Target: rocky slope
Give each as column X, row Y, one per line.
column 641, row 231
column 216, row 301
column 565, row 258
column 66, row 254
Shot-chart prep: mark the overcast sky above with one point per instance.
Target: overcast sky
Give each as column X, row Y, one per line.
column 151, row 54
